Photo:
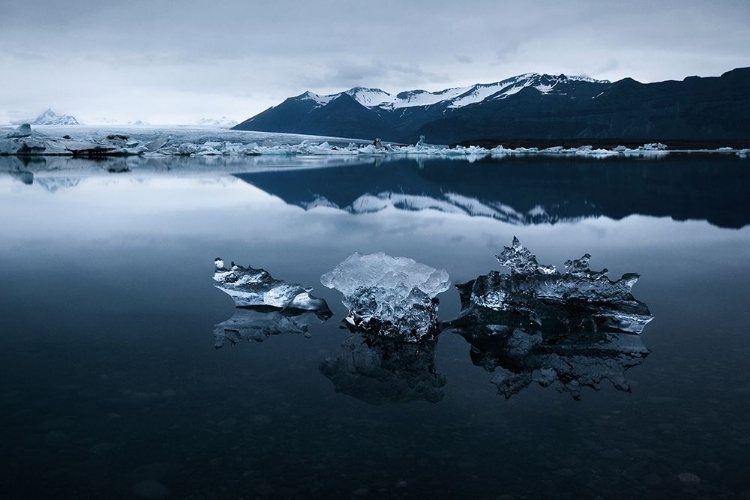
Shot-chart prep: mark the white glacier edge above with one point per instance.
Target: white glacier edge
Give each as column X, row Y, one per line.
column 86, row 141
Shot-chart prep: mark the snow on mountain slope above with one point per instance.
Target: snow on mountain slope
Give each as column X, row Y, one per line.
column 222, row 122
column 455, row 97
column 49, row 117
column 423, row 98
column 369, row 97
column 321, row 100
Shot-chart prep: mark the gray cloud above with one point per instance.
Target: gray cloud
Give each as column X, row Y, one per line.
column 174, row 61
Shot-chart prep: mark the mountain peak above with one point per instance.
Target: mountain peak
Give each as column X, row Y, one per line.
column 49, row 117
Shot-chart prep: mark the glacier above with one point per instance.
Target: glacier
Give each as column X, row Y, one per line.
column 389, row 296
column 539, row 325
column 205, row 141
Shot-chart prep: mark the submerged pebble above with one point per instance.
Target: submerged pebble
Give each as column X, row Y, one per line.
column 689, row 479
column 150, row 490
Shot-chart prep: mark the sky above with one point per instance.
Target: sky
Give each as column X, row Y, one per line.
column 178, row 61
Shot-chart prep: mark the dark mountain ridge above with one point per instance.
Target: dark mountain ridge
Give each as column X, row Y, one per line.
column 528, row 107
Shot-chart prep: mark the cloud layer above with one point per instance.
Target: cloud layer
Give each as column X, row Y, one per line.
column 164, row 62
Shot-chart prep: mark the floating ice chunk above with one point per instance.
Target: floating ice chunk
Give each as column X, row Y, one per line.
column 538, row 325
column 388, row 295
column 380, row 370
column 577, row 297
column 22, row 146
column 255, row 287
column 23, row 130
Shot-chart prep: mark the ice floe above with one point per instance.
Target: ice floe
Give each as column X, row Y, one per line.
column 265, row 306
column 250, row 287
column 539, row 325
column 389, row 296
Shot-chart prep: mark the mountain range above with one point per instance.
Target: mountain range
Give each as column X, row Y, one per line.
column 528, row 106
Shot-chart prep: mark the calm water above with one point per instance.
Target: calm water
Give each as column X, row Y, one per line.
column 111, row 386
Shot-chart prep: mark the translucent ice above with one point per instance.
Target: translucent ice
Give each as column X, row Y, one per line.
column 384, row 370
column 255, row 287
column 388, row 295
column 538, row 325
column 577, row 299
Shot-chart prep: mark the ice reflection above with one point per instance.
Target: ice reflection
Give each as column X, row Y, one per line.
column 533, row 325
column 265, row 306
column 377, row 369
column 259, row 323
column 538, row 325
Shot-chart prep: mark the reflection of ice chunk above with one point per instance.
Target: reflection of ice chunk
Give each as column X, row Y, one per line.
column 382, row 370
column 255, row 287
column 388, row 295
column 260, row 323
column 518, row 357
column 538, row 325
column 577, row 299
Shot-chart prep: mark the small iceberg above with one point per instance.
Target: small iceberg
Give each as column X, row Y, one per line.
column 389, row 296
column 256, row 287
column 265, row 306
column 536, row 324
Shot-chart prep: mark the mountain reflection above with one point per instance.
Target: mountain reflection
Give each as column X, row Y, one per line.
column 530, row 190
column 518, row 190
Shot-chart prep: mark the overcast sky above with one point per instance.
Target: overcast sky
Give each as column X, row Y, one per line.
column 178, row 61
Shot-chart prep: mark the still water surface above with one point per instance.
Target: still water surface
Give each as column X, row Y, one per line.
column 111, row 386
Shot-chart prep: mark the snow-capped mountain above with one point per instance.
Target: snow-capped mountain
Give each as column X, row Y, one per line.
column 528, row 106
column 222, row 122
column 455, row 97
column 49, row 117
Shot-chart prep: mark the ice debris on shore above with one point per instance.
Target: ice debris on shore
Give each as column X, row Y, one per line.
column 388, row 296
column 539, row 325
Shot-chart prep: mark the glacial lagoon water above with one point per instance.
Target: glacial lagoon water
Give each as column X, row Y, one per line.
column 111, row 385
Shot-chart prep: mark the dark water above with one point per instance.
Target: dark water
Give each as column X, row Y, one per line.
column 111, row 386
